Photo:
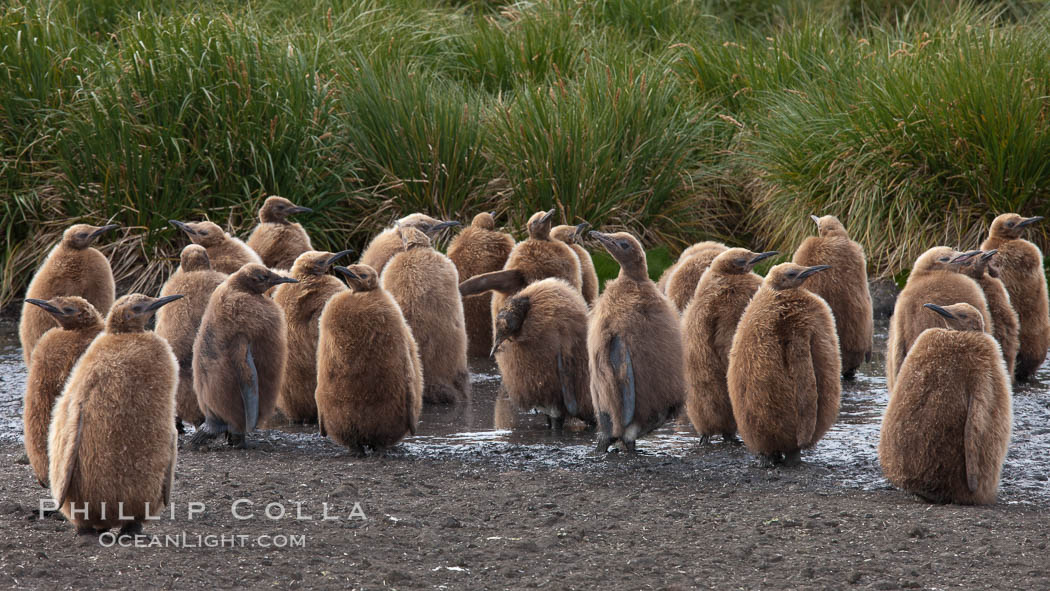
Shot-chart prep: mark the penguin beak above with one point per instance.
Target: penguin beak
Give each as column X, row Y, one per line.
column 762, row 256
column 182, row 226
column 601, row 238
column 581, row 229
column 298, row 209
column 939, row 310
column 811, row 270
column 815, row 219
column 962, row 258
column 347, row 273
column 495, row 347
column 103, row 230
column 161, row 302
column 989, row 254
column 433, row 231
column 279, row 280
column 45, row 305
column 335, row 257
column 547, row 216
column 1029, row 221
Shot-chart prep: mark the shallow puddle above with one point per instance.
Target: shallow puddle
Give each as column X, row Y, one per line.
column 489, row 428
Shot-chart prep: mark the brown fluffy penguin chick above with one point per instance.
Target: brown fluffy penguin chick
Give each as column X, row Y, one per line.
column 682, row 283
column 112, row 442
column 634, row 350
column 72, row 268
column 479, row 249
column 57, row 352
column 571, row 235
column 178, row 322
column 697, row 248
column 935, row 279
column 708, row 326
column 239, row 356
column 985, row 271
column 784, row 367
column 425, row 284
column 277, row 240
column 947, row 426
column 388, row 243
column 844, row 287
column 302, row 304
column 541, row 349
column 226, row 253
column 369, row 375
column 1021, row 271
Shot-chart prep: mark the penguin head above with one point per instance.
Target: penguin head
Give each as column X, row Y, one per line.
column 484, row 220
column 739, row 260
column 81, row 236
column 313, row 263
column 207, row 234
column 257, row 279
column 976, row 263
column 359, row 277
column 941, row 258
column 194, row 258
column 627, row 251
column 277, row 209
column 509, row 321
column 1010, row 225
column 959, row 316
column 991, row 264
column 791, row 276
column 131, row 312
column 412, row 238
column 539, row 226
column 71, row 312
column 424, row 223
column 829, row 225
column 570, row 234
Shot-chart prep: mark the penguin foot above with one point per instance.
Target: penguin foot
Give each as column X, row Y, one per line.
column 206, row 432
column 769, row 460
column 705, row 439
column 87, row 536
column 130, row 529
column 731, row 439
column 603, row 445
column 628, row 446
column 792, row 459
column 240, row 441
column 849, row 376
column 556, row 423
column 179, row 428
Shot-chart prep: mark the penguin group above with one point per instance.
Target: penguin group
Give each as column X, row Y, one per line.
column 271, row 331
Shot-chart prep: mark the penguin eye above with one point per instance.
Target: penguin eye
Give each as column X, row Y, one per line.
column 623, row 244
column 792, row 274
column 82, row 235
column 138, row 308
column 741, row 262
column 67, row 310
column 1010, row 224
column 943, row 259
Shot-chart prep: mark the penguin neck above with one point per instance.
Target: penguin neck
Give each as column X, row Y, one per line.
column 124, row 326
column 267, row 217
column 634, row 272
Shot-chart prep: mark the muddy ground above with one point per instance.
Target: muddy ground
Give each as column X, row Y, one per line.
column 485, row 498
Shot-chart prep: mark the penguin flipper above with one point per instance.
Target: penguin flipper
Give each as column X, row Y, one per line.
column 71, row 461
column 805, row 395
column 320, row 423
column 623, row 371
column 507, row 281
column 568, row 392
column 169, row 474
column 972, row 436
column 250, row 392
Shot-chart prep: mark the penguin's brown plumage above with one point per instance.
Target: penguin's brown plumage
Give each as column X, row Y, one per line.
column 56, row 353
column 239, row 355
column 844, row 287
column 984, row 269
column 541, row 349
column 947, row 427
column 935, row 278
column 388, row 243
column 708, row 325
column 112, row 438
column 72, row 268
column 784, row 367
column 478, row 249
column 178, row 322
column 697, row 248
column 588, row 276
column 226, row 253
column 687, row 273
column 634, row 350
column 277, row 240
column 1021, row 271
column 370, row 377
column 302, row 304
column 425, row 284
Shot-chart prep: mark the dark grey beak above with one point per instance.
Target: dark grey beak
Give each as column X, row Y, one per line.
column 441, row 226
column 161, row 302
column 600, row 237
column 962, row 258
column 182, row 226
column 104, row 229
column 939, row 310
column 346, row 273
column 45, row 305
column 298, row 209
column 547, row 216
column 280, row 280
column 762, row 256
column 989, row 254
column 335, row 257
column 815, row 219
column 811, row 270
column 1029, row 221
column 495, row 348
column 581, row 229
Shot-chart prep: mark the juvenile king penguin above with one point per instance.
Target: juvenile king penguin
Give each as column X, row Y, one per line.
column 784, row 367
column 984, row 269
column 425, row 284
column 112, row 442
column 844, row 287
column 57, row 351
column 388, row 243
column 681, row 285
column 302, row 304
column 226, row 253
column 239, row 356
column 708, row 326
column 947, row 426
column 72, row 268
column 479, row 249
column 277, row 240
column 541, row 349
column 1021, row 270
column 178, row 322
column 697, row 248
column 369, row 375
column 935, row 278
column 634, row 350
column 571, row 235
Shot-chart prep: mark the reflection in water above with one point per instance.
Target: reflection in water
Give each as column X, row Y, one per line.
column 489, row 425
